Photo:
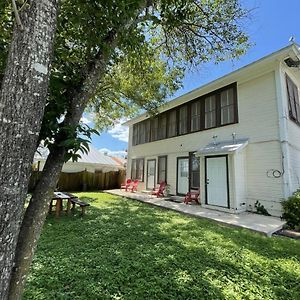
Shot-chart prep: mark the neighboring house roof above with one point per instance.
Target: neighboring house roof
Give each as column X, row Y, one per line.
column 92, row 157
column 242, row 74
column 96, row 157
column 120, row 160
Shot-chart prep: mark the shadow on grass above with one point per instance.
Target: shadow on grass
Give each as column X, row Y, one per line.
column 123, row 249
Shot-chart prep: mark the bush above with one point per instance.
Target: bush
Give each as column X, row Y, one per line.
column 291, row 210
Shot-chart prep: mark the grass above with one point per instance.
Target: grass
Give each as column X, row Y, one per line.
column 123, row 249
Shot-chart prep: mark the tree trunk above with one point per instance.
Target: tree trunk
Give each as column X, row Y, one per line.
column 33, row 221
column 38, row 207
column 22, row 101
column 36, row 212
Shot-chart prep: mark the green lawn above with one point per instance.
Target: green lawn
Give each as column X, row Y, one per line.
column 123, row 249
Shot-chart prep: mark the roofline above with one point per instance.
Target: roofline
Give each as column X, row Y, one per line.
column 81, row 162
column 272, row 56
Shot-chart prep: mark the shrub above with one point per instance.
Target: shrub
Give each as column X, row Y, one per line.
column 291, row 210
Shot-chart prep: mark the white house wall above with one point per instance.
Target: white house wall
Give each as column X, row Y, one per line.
column 258, row 121
column 240, row 182
column 293, row 131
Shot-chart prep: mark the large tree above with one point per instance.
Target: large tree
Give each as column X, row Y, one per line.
column 22, row 101
column 112, row 57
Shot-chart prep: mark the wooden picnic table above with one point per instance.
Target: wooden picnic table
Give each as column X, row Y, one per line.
column 59, row 197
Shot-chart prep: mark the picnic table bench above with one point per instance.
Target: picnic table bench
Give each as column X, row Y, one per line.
column 82, row 204
column 72, row 200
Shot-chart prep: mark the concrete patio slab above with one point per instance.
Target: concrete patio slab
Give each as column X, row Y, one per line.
column 259, row 223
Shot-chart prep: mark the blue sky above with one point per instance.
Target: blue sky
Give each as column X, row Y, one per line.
column 271, row 24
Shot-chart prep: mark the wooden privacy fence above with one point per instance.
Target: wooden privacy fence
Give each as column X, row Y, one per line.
column 84, row 181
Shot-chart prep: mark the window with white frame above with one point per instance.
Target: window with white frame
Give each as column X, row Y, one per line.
column 137, row 169
column 227, row 107
column 210, row 111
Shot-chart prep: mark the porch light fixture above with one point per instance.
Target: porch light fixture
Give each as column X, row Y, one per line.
column 215, row 139
column 233, row 137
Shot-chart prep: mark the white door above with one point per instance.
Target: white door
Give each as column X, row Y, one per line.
column 151, row 173
column 182, row 175
column 217, row 181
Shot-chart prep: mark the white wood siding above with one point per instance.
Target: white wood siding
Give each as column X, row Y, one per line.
column 240, row 182
column 258, row 121
column 293, row 131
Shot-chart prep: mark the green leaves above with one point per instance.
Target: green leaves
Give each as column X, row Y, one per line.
column 155, row 44
column 291, row 210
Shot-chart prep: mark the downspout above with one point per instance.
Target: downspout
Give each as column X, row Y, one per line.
column 283, row 129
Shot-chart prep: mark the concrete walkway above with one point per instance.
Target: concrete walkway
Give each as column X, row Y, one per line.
column 263, row 224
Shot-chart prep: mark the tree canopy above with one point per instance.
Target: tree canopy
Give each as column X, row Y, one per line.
column 157, row 41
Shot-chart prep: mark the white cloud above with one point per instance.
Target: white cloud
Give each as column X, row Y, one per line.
column 118, row 153
column 85, row 120
column 119, row 131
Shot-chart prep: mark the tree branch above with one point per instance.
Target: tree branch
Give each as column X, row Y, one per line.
column 18, row 20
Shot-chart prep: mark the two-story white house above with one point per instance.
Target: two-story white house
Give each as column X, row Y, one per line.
column 236, row 138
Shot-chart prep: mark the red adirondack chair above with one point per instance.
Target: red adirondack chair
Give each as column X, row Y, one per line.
column 126, row 184
column 134, row 186
column 192, row 196
column 159, row 191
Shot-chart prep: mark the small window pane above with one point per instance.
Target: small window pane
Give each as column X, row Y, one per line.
column 140, row 170
column 210, row 112
column 195, row 116
column 147, row 131
column 172, row 123
column 162, row 169
column 227, row 107
column 154, row 129
column 195, row 172
column 137, row 169
column 141, row 139
column 183, row 120
column 184, row 167
column 293, row 100
column 133, row 169
column 162, row 127
column 135, row 135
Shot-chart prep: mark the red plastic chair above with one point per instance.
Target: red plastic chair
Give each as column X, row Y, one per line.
column 192, row 196
column 159, row 191
column 126, row 184
column 133, row 188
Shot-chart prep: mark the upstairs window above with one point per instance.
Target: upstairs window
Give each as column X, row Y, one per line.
column 210, row 111
column 162, row 131
column 293, row 100
column 172, row 123
column 141, row 133
column 147, row 131
column 135, row 134
column 183, row 116
column 154, row 129
column 195, row 116
column 227, row 107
